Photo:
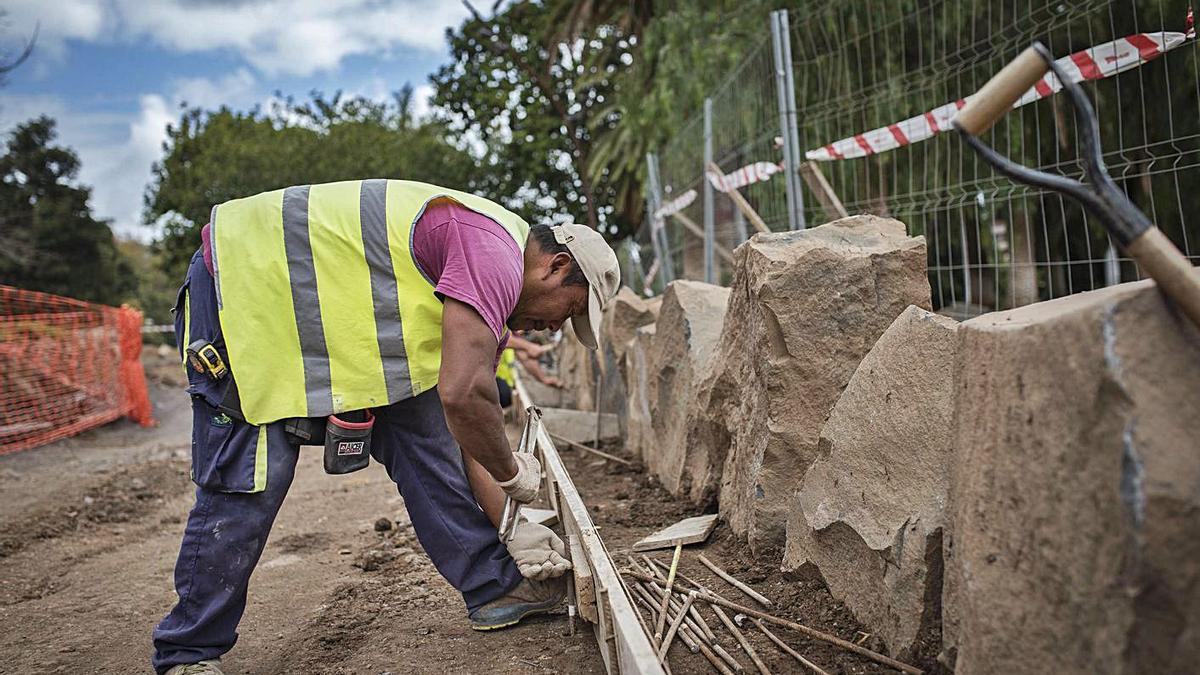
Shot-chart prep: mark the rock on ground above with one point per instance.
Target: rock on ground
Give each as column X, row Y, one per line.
column 577, row 369
column 626, row 313
column 805, row 308
column 639, row 431
column 681, row 355
column 1076, row 494
column 869, row 516
column 623, row 315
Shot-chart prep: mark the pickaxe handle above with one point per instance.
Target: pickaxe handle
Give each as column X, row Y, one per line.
column 1141, row 240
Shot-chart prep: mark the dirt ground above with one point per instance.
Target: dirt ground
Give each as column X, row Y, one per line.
column 90, row 527
column 627, row 504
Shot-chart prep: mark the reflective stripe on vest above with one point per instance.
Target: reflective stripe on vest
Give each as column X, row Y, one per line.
column 322, row 305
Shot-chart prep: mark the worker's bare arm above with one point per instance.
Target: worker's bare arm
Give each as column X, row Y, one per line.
column 467, row 386
column 487, row 492
column 528, row 348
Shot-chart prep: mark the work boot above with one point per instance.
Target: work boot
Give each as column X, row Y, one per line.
column 212, row 667
column 528, row 598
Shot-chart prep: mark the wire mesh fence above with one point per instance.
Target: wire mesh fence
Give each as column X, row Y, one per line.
column 859, row 66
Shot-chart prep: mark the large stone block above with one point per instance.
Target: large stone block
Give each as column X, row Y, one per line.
column 689, row 324
column 623, row 315
column 1075, row 538
column 806, row 307
column 578, row 369
column 639, row 430
column 869, row 515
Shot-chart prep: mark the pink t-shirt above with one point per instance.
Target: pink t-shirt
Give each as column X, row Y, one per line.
column 472, row 259
column 466, row 256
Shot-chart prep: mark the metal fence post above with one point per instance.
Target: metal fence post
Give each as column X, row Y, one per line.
column 781, row 43
column 658, row 230
column 785, row 44
column 709, row 229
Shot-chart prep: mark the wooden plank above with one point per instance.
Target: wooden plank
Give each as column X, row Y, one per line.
column 690, row 226
column 585, row 587
column 686, row 531
column 816, row 182
column 742, row 204
column 547, row 517
column 621, row 632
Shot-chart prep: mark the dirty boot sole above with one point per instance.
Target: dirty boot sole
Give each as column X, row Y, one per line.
column 514, row 616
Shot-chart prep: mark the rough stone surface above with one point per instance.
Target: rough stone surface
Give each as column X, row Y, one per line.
column 580, row 425
column 577, row 369
column 626, row 313
column 1076, row 492
column 805, row 308
column 682, row 351
column 869, row 515
column 639, row 432
column 623, row 315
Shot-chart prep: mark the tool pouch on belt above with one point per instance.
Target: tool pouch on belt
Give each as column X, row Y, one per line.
column 348, row 441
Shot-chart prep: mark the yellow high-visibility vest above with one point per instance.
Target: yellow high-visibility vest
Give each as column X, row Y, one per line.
column 504, row 371
column 322, row 304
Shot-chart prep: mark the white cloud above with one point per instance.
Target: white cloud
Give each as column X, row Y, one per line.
column 236, row 88
column 422, row 100
column 288, row 37
column 56, row 23
column 272, row 37
column 117, row 150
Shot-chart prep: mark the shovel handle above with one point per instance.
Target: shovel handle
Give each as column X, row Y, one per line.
column 997, row 97
column 1173, row 273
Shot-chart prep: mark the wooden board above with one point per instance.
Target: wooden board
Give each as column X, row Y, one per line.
column 624, row 645
column 585, row 588
column 546, row 517
column 686, row 531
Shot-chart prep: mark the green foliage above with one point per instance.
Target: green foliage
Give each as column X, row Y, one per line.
column 529, row 101
column 567, row 97
column 49, row 240
column 214, row 156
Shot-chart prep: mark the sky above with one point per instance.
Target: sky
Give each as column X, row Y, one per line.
column 114, row 73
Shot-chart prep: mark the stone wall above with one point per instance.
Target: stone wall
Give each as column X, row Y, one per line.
column 805, row 308
column 869, row 515
column 681, row 356
column 639, row 430
column 1075, row 538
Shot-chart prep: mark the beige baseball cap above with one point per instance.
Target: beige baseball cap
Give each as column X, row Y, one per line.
column 599, row 264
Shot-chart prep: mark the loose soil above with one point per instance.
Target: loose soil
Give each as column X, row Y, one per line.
column 90, row 527
column 626, row 504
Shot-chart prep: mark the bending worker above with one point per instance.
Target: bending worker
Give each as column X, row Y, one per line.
column 368, row 316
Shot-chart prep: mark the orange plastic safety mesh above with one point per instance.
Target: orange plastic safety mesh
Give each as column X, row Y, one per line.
column 66, row 366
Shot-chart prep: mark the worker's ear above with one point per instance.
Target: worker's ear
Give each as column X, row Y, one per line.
column 560, row 265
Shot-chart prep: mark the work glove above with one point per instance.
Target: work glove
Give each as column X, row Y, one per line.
column 523, row 487
column 538, row 552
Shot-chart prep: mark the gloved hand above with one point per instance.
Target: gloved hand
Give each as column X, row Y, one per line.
column 523, row 487
column 538, row 552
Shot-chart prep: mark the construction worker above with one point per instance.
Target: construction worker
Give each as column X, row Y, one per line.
column 527, row 353
column 377, row 308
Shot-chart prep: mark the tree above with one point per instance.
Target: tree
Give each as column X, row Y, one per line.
column 530, row 99
column 214, row 156
column 54, row 243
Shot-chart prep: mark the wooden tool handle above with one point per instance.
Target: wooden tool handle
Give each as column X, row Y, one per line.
column 1169, row 268
column 997, row 97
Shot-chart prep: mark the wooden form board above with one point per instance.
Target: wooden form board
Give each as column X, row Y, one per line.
column 686, row 531
column 625, row 647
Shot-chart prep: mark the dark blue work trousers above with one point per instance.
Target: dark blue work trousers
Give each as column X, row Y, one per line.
column 228, row 526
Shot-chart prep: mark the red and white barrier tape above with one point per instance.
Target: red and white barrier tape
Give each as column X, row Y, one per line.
column 1095, row 63
column 738, row 178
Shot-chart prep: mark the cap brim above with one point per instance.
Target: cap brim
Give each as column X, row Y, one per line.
column 587, row 327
